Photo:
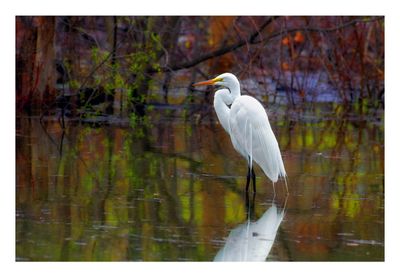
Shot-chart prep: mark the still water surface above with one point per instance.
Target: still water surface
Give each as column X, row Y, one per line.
column 172, row 190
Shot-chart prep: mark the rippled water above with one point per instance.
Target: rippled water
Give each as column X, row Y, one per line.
column 173, row 190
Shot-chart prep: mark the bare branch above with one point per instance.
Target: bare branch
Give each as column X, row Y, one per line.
column 326, row 30
column 252, row 40
column 222, row 50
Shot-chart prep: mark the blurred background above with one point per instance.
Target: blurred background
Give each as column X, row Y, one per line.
column 119, row 65
column 119, row 158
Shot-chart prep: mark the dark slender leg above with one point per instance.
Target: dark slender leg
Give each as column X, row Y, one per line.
column 248, row 180
column 253, row 201
column 254, row 180
column 247, row 205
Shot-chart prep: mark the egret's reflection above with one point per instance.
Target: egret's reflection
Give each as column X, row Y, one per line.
column 252, row 241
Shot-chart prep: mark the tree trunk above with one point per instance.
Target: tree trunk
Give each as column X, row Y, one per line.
column 112, row 30
column 45, row 61
column 26, row 36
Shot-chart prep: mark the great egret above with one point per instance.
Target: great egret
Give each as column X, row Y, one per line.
column 246, row 121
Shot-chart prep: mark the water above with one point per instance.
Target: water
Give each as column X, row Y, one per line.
column 172, row 190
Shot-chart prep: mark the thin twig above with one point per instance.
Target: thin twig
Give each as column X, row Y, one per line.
column 252, row 40
column 220, row 51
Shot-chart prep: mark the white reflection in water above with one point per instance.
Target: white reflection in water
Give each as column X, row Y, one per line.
column 252, row 241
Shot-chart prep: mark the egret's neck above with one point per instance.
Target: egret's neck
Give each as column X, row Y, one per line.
column 235, row 91
column 222, row 101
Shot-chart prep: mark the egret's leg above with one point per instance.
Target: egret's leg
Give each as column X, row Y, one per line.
column 247, row 205
column 248, row 180
column 254, row 179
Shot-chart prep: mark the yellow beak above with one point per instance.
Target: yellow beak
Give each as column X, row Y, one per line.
column 208, row 82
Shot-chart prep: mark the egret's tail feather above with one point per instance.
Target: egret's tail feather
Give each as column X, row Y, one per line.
column 286, row 185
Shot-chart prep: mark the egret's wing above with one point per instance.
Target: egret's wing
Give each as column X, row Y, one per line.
column 238, row 121
column 266, row 152
column 252, row 136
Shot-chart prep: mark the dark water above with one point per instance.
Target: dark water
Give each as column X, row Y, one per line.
column 171, row 190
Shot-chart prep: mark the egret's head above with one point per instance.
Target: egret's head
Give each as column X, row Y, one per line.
column 227, row 80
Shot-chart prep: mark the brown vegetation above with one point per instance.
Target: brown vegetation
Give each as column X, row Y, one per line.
column 114, row 65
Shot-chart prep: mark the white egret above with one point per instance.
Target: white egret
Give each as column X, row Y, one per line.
column 246, row 121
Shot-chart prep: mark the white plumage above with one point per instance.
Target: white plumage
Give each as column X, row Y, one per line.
column 252, row 136
column 246, row 121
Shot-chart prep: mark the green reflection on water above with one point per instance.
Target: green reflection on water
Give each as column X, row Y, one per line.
column 175, row 191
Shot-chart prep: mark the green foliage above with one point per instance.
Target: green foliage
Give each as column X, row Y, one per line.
column 144, row 58
column 139, row 124
column 134, row 121
column 74, row 84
